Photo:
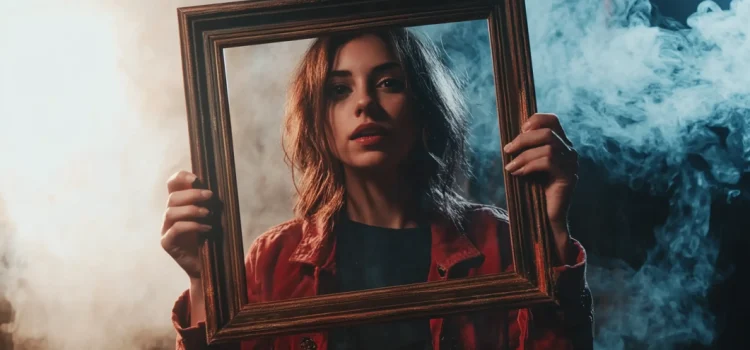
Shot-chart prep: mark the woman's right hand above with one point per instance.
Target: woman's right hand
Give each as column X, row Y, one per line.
column 181, row 231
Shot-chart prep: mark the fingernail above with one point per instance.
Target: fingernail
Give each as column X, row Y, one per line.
column 191, row 178
column 517, row 172
column 206, row 194
column 205, row 228
column 510, row 165
column 203, row 211
column 507, row 147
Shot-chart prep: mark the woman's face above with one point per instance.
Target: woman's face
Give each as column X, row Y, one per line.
column 369, row 111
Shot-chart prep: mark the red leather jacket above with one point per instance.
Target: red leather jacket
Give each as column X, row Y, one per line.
column 290, row 249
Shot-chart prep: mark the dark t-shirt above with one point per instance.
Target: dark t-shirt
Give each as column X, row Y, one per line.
column 369, row 257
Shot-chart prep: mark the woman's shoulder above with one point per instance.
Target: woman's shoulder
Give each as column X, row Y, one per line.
column 285, row 234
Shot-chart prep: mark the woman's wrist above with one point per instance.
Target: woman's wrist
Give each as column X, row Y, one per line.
column 196, row 284
column 197, row 302
column 562, row 246
column 562, row 242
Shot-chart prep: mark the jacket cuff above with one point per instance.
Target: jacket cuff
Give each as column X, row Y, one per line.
column 187, row 337
column 570, row 279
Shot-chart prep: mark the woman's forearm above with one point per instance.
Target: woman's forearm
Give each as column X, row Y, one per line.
column 197, row 303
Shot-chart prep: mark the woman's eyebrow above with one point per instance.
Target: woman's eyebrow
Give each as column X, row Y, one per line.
column 378, row 69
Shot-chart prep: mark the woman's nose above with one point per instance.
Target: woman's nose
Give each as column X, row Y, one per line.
column 364, row 103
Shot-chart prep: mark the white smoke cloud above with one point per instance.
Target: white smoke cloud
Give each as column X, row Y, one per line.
column 93, row 123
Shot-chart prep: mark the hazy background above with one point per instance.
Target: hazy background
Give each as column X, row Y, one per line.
column 256, row 104
column 264, row 182
column 93, row 123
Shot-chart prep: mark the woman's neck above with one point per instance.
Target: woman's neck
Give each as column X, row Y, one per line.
column 378, row 199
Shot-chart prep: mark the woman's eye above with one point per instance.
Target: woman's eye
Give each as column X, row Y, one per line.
column 394, row 85
column 339, row 90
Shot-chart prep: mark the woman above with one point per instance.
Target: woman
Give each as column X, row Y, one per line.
column 375, row 130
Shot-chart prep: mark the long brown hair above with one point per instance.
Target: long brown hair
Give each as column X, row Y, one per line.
column 440, row 113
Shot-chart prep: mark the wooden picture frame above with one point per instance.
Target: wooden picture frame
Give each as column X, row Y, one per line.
column 206, row 30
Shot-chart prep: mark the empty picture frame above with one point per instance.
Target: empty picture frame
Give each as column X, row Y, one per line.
column 205, row 33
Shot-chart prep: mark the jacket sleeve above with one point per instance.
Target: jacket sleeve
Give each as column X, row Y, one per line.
column 194, row 338
column 191, row 338
column 569, row 325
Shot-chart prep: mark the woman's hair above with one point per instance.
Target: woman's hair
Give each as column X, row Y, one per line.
column 439, row 111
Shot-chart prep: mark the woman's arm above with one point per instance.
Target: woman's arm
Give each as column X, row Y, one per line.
column 569, row 325
column 543, row 147
column 197, row 303
column 192, row 335
column 189, row 315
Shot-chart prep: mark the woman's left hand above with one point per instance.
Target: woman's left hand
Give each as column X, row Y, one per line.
column 542, row 147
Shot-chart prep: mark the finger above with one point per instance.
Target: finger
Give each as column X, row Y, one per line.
column 180, row 230
column 544, row 164
column 534, row 138
column 537, row 165
column 183, row 213
column 188, row 197
column 181, row 180
column 526, row 156
column 545, row 120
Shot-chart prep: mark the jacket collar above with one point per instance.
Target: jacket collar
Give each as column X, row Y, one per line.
column 450, row 246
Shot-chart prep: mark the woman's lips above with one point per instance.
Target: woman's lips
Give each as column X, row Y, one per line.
column 368, row 129
column 369, row 140
column 369, row 134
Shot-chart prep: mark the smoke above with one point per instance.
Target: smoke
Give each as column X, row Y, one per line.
column 93, row 123
column 663, row 110
column 264, row 182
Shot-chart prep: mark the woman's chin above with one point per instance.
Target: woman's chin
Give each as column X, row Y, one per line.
column 372, row 161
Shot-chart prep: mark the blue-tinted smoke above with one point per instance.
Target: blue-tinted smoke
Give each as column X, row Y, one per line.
column 663, row 110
